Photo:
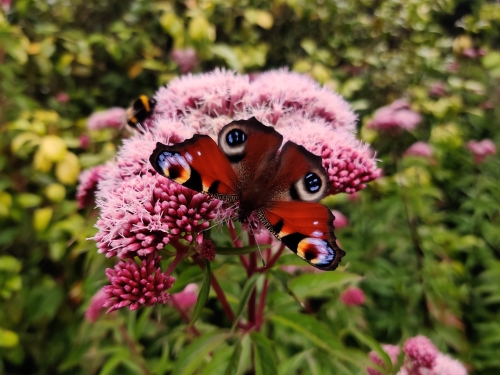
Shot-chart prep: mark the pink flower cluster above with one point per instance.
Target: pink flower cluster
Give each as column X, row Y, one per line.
column 133, row 285
column 421, row 357
column 186, row 59
column 421, row 149
column 110, row 118
column 141, row 212
column 395, row 118
column 353, row 296
column 481, row 149
column 87, row 186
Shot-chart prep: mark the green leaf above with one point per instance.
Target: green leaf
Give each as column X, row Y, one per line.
column 239, row 250
column 194, row 355
column 315, row 285
column 111, row 364
column 373, row 345
column 264, row 357
column 245, row 295
column 321, row 336
column 234, row 362
column 291, row 365
column 219, row 361
column 188, row 276
column 203, row 295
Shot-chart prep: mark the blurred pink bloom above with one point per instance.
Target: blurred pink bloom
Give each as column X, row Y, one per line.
column 207, row 250
column 453, row 67
column 437, row 89
column 87, row 186
column 293, row 270
column 395, row 117
column 84, row 141
column 354, row 197
column 187, row 298
column 481, row 149
column 352, row 296
column 5, row 4
column 186, row 59
column 445, row 365
column 340, row 220
column 391, row 350
column 111, row 118
column 419, row 149
column 420, row 352
column 133, row 285
column 469, row 52
column 96, row 306
column 481, row 52
column 62, row 97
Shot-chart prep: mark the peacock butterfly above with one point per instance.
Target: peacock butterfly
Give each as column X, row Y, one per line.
column 280, row 188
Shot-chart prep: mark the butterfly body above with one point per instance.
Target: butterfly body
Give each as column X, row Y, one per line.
column 280, row 188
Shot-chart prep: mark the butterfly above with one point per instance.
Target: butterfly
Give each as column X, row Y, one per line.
column 244, row 167
column 140, row 110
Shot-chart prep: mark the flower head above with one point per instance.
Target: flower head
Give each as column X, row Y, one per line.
column 134, row 285
column 391, row 350
column 445, row 365
column 207, row 250
column 111, row 118
column 185, row 58
column 395, row 117
column 340, row 220
column 352, row 296
column 187, row 298
column 62, row 97
column 437, row 89
column 96, row 306
column 421, row 352
column 419, row 149
column 481, row 149
column 87, row 186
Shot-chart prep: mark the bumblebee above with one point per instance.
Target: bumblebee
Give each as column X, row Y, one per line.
column 140, row 110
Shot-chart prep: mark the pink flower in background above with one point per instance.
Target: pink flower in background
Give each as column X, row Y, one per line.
column 5, row 4
column 340, row 220
column 421, row 358
column 469, row 52
column 96, row 306
column 352, row 296
column 207, row 250
column 133, row 285
column 453, row 67
column 481, row 149
column 84, row 141
column 87, row 186
column 186, row 59
column 187, row 298
column 395, row 117
column 437, row 89
column 445, row 365
column 420, row 352
column 391, row 350
column 62, row 97
column 419, row 149
column 111, row 118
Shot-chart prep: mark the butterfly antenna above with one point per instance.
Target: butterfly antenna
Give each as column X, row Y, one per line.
column 260, row 252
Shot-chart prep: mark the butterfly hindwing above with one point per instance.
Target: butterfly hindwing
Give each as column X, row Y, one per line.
column 198, row 164
column 305, row 228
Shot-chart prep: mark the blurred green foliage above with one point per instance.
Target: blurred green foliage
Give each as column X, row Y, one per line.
column 423, row 240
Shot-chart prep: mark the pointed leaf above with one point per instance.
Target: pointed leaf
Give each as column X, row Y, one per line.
column 194, row 355
column 203, row 295
column 373, row 345
column 315, row 285
column 245, row 295
column 264, row 357
column 234, row 362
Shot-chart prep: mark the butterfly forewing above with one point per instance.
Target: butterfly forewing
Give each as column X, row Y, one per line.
column 198, row 164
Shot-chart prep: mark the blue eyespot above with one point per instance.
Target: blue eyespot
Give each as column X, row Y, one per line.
column 313, row 182
column 236, row 137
